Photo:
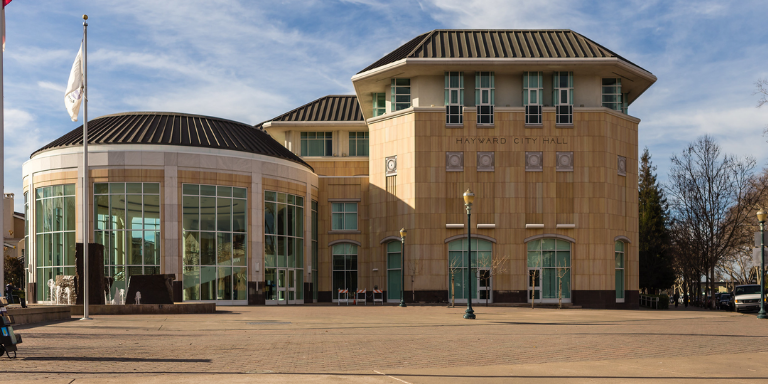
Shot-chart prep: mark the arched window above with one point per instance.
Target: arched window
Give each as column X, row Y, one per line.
column 344, row 268
column 394, row 270
column 549, row 270
column 458, row 273
column 619, row 255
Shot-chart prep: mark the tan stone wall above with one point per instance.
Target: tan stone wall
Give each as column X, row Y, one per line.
column 601, row 204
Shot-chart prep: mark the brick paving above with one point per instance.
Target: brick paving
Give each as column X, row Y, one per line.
column 329, row 339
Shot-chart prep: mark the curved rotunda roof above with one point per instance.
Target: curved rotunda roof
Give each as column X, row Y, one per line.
column 167, row 128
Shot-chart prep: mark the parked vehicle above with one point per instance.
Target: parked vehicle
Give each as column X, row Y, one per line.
column 745, row 297
column 724, row 302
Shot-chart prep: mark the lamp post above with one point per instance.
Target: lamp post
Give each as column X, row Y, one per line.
column 403, row 232
column 469, row 197
column 761, row 219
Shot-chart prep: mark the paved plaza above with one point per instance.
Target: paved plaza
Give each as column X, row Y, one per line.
column 418, row 344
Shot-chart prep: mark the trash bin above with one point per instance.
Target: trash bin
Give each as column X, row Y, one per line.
column 8, row 339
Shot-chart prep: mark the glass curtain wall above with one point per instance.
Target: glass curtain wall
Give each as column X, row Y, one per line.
column 394, row 270
column 284, row 246
column 314, row 251
column 26, row 241
column 54, row 237
column 127, row 224
column 344, row 269
column 551, row 258
column 215, row 233
column 458, row 273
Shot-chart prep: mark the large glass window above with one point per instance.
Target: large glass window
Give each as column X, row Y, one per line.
column 127, row 223
column 358, row 143
column 284, row 246
column 394, row 270
column 344, row 268
column 612, row 96
column 401, row 94
column 533, row 96
column 550, row 259
column 26, row 239
column 619, row 255
column 215, row 236
column 343, row 216
column 379, row 103
column 562, row 97
column 454, row 97
column 314, row 251
column 317, row 144
column 485, row 97
column 458, row 271
column 55, row 237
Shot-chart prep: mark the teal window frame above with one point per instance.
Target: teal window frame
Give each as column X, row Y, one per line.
column 553, row 258
column 316, row 144
column 562, row 97
column 394, row 270
column 358, row 144
column 344, row 216
column 485, row 97
column 482, row 258
column 344, row 266
column 315, row 250
column 612, row 96
column 454, row 98
column 400, row 94
column 533, row 97
column 619, row 255
column 379, row 103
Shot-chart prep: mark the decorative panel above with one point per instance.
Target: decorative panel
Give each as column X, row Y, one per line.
column 564, row 162
column 533, row 161
column 486, row 161
column 622, row 166
column 390, row 164
column 454, row 161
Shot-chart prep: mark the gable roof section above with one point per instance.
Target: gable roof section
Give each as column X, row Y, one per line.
column 498, row 43
column 326, row 108
column 178, row 129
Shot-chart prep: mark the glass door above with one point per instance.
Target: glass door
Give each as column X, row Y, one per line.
column 534, row 284
column 484, row 291
column 281, row 287
column 291, row 286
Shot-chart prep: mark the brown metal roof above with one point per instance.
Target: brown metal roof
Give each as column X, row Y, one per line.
column 326, row 108
column 498, row 43
column 180, row 129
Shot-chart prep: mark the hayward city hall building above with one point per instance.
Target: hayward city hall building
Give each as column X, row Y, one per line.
column 292, row 210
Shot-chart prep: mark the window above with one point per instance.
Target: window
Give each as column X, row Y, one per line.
column 394, row 270
column 284, row 246
column 612, row 96
column 454, row 97
column 562, row 97
column 458, row 274
column 533, row 86
column 127, row 223
column 215, row 233
column 379, row 103
column 344, row 269
column 314, row 251
column 549, row 266
column 54, row 237
column 358, row 143
column 484, row 97
column 619, row 272
column 401, row 94
column 27, row 263
column 316, row 144
column 344, row 216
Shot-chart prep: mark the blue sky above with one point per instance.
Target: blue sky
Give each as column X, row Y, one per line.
column 253, row 60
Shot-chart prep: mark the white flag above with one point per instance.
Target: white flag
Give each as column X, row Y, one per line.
column 73, row 96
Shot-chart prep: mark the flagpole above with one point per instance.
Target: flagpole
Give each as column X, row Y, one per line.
column 85, row 171
column 2, row 152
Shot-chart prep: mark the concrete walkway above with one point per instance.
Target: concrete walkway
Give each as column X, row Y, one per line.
column 365, row 344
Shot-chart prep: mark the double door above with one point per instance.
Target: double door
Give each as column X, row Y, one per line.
column 282, row 287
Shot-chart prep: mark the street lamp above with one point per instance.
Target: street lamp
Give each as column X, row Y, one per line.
column 403, row 232
column 761, row 219
column 469, row 197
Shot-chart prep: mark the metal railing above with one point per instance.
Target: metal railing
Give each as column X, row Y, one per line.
column 649, row 301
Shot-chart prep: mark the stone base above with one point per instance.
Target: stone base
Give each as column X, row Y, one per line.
column 40, row 314
column 145, row 309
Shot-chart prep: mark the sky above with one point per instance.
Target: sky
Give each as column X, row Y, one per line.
column 253, row 60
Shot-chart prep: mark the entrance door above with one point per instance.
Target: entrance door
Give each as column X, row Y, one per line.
column 281, row 287
column 285, row 288
column 484, row 291
column 291, row 286
column 534, row 284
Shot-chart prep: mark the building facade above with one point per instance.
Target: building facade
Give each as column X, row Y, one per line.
column 534, row 122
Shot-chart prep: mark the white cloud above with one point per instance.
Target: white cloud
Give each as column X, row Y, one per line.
column 52, row 86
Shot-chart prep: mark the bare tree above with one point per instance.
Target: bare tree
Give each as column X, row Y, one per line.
column 711, row 196
column 738, row 266
column 453, row 268
column 498, row 266
column 413, row 268
column 561, row 273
